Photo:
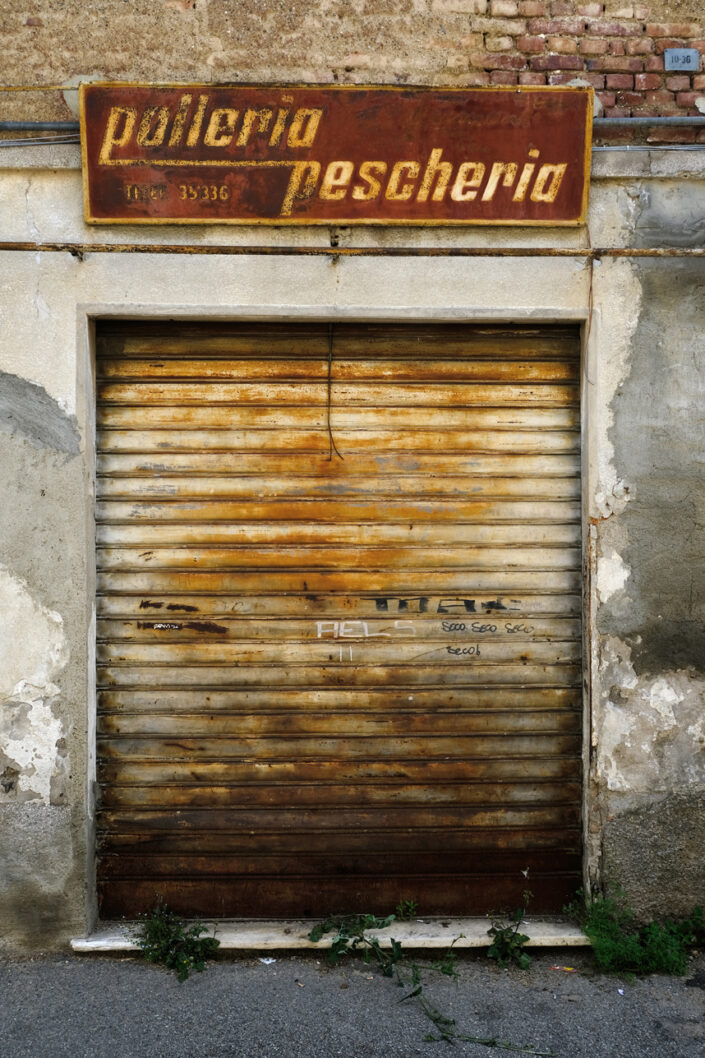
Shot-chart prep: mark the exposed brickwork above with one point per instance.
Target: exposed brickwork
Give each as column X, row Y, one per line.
column 562, row 45
column 531, row 45
column 593, row 46
column 647, row 82
column 615, row 45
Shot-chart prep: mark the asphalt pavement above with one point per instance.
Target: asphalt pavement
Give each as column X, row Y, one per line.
column 72, row 1006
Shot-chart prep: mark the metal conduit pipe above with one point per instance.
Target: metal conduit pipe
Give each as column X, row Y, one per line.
column 39, row 126
column 640, row 122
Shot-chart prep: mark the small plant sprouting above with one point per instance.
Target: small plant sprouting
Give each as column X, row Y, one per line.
column 507, row 942
column 621, row 945
column 406, row 910
column 164, row 938
column 446, row 964
column 350, row 936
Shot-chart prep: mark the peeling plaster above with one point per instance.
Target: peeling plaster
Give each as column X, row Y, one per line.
column 617, row 292
column 615, row 741
column 28, row 410
column 33, row 754
column 612, row 575
column 667, row 217
column 33, row 652
column 651, row 732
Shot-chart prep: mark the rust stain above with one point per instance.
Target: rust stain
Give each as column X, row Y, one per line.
column 335, row 155
column 80, row 250
column 381, row 691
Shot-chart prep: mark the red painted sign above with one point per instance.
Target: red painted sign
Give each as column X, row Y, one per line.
column 238, row 154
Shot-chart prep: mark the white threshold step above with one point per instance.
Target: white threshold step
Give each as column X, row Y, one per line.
column 250, row 935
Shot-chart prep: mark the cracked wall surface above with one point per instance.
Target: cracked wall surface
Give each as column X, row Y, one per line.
column 43, row 831
column 31, row 736
column 649, row 764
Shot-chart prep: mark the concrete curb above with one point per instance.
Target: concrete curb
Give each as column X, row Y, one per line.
column 431, row 933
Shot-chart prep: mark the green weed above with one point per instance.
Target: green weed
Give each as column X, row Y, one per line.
column 621, row 945
column 446, row 965
column 508, row 943
column 350, row 936
column 164, row 938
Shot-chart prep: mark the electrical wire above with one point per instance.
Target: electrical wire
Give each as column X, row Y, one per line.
column 41, row 141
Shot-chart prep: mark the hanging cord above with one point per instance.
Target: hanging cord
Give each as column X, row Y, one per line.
column 332, row 445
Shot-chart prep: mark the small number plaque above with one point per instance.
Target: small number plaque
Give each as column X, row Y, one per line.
column 682, row 59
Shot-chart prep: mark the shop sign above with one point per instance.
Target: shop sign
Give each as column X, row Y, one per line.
column 242, row 154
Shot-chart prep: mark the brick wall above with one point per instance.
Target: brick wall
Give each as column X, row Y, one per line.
column 617, row 47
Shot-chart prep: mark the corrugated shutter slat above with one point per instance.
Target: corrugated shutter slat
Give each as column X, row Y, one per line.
column 332, row 684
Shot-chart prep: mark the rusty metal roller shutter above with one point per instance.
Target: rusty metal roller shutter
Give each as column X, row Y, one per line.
column 330, row 682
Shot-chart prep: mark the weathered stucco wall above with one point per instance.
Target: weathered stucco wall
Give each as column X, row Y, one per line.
column 644, row 436
column 42, row 665
column 651, row 720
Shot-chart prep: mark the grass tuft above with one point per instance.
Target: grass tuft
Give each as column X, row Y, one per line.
column 621, row 945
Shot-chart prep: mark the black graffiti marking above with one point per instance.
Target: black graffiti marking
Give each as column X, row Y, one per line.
column 451, row 605
column 412, row 604
column 207, row 626
column 495, row 604
column 426, row 604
